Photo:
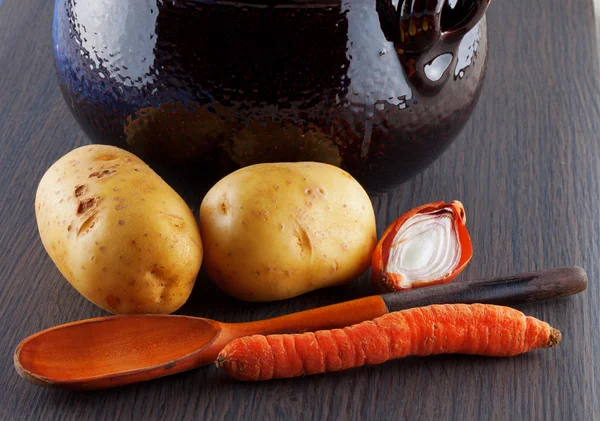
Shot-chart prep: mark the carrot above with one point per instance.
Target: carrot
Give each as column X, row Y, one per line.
column 478, row 329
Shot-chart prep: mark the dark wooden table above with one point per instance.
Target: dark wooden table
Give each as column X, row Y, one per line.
column 526, row 167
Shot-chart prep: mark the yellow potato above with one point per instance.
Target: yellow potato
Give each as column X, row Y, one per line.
column 275, row 231
column 117, row 232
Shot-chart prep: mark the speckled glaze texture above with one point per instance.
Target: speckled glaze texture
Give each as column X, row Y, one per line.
column 356, row 84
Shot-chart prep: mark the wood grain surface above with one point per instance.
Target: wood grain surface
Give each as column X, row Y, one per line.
column 526, row 167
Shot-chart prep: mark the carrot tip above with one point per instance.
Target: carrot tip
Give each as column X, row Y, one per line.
column 220, row 362
column 554, row 338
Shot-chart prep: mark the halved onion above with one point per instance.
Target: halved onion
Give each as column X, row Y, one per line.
column 426, row 246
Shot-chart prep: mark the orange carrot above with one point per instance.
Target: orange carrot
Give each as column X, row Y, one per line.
column 479, row 329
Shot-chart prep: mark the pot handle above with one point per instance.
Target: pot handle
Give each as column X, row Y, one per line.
column 422, row 30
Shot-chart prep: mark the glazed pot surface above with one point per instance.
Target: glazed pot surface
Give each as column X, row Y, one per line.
column 238, row 84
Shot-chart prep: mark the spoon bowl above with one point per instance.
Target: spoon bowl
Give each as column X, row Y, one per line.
column 115, row 346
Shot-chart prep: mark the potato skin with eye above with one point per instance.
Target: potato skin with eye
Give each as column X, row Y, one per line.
column 275, row 231
column 117, row 232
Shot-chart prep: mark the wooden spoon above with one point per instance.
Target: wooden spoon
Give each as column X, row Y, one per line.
column 117, row 350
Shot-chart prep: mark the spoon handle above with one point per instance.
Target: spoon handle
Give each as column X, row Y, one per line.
column 516, row 289
column 321, row 318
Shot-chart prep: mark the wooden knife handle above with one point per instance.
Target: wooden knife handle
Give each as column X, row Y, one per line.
column 516, row 289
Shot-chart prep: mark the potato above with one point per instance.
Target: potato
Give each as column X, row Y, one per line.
column 117, row 232
column 275, row 231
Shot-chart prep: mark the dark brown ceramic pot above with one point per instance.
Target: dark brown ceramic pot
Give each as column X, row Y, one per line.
column 378, row 89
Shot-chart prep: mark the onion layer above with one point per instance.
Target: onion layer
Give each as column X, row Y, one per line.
column 426, row 246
